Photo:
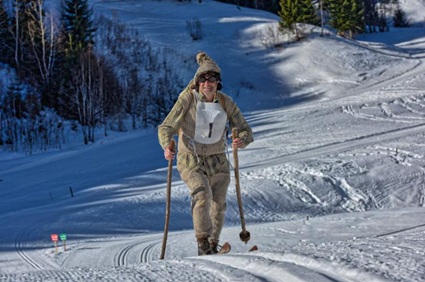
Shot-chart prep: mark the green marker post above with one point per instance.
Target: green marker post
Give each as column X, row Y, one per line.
column 63, row 239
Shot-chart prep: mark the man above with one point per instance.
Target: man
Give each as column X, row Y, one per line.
column 199, row 118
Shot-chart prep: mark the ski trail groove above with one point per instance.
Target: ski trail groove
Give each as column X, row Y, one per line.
column 338, row 147
column 227, row 273
column 146, row 254
column 316, row 270
column 122, row 255
column 264, row 268
column 20, row 250
column 400, row 231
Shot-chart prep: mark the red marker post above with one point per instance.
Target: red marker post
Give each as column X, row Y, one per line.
column 55, row 239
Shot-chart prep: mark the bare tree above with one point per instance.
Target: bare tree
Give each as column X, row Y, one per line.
column 16, row 35
column 84, row 94
column 90, row 96
column 43, row 41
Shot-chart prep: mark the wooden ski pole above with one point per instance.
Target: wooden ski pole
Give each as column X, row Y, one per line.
column 168, row 202
column 244, row 235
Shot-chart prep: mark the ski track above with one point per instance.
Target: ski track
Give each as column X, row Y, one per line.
column 379, row 255
column 147, row 253
column 222, row 271
column 338, row 146
column 20, row 249
column 304, row 262
column 421, row 226
column 122, row 255
column 139, row 252
column 263, row 266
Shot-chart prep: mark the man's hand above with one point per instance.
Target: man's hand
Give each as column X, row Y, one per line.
column 169, row 154
column 238, row 143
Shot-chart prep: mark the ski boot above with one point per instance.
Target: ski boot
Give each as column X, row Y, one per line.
column 203, row 246
column 214, row 247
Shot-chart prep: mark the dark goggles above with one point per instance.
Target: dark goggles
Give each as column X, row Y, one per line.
column 210, row 79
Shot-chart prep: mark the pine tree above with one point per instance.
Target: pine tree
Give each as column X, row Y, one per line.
column 297, row 11
column 400, row 18
column 288, row 14
column 358, row 17
column 309, row 14
column 77, row 39
column 78, row 26
column 346, row 16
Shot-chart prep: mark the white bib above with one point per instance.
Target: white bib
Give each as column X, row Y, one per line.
column 210, row 122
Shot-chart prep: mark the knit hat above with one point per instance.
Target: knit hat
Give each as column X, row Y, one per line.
column 206, row 65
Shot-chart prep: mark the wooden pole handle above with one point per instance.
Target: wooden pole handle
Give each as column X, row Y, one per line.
column 168, row 201
column 244, row 235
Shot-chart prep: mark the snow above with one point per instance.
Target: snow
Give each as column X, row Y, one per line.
column 333, row 186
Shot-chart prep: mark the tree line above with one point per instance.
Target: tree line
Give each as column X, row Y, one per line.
column 76, row 69
column 347, row 17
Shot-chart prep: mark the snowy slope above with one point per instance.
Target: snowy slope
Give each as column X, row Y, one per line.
column 333, row 186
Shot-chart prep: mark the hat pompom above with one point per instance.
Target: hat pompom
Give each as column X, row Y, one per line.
column 201, row 57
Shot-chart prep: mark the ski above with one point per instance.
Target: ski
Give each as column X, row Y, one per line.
column 226, row 247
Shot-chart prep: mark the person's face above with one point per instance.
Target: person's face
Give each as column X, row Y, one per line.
column 208, row 84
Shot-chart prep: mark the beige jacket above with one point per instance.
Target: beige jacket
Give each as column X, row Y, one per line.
column 181, row 121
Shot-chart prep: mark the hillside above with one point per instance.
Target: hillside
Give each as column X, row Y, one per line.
column 333, row 186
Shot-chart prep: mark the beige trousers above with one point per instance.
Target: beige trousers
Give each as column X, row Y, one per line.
column 208, row 201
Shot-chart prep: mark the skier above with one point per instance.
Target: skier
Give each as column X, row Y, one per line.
column 199, row 118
